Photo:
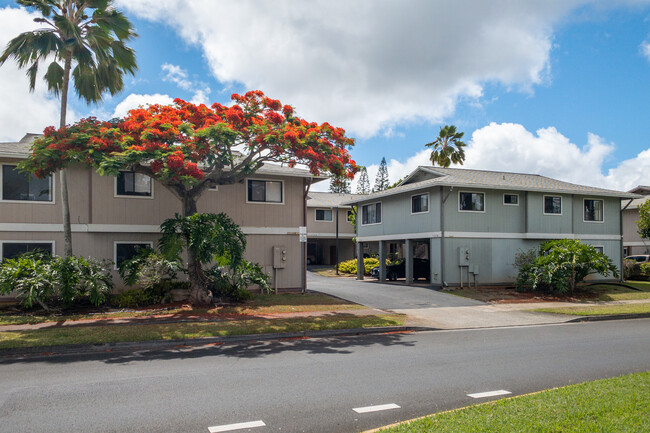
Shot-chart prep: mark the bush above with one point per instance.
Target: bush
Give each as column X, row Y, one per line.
column 644, row 269
column 231, row 283
column 350, row 266
column 132, row 298
column 557, row 266
column 631, row 269
column 42, row 279
column 148, row 268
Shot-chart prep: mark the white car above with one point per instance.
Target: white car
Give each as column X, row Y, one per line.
column 639, row 258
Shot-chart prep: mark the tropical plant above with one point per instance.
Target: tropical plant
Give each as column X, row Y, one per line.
column 643, row 223
column 381, row 181
column 41, row 279
column 558, row 266
column 207, row 238
column 232, row 282
column 148, row 268
column 84, row 40
column 363, row 186
column 447, row 147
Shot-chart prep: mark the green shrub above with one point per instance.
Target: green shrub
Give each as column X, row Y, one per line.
column 644, row 269
column 132, row 298
column 148, row 268
column 42, row 279
column 557, row 266
column 350, row 266
column 231, row 283
column 631, row 269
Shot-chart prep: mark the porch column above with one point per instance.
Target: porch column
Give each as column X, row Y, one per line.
column 359, row 261
column 382, row 260
column 408, row 264
column 433, row 263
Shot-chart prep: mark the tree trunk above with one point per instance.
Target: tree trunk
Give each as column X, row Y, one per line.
column 65, row 204
column 199, row 292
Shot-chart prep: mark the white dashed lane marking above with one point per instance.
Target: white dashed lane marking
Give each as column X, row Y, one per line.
column 489, row 393
column 376, row 408
column 238, row 426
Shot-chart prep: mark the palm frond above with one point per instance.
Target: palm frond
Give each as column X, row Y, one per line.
column 54, row 78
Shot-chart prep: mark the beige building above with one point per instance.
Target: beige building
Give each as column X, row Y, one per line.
column 327, row 217
column 112, row 217
column 632, row 242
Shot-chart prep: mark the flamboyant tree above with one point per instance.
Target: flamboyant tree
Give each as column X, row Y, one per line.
column 189, row 148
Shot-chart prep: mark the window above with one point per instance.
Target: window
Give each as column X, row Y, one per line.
column 511, row 199
column 265, row 191
column 600, row 249
column 593, row 210
column 132, row 184
column 323, row 214
column 127, row 250
column 420, row 203
column 371, row 214
column 471, row 202
column 24, row 187
column 626, row 251
column 11, row 250
column 552, row 205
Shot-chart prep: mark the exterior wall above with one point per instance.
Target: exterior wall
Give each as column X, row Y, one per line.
column 99, row 219
column 497, row 218
column 319, row 250
column 631, row 238
column 328, row 228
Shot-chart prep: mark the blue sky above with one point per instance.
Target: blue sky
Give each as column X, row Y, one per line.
column 560, row 88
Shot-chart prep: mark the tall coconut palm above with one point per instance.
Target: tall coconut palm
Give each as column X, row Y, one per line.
column 448, row 147
column 82, row 39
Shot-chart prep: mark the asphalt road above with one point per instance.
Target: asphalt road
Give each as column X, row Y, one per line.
column 309, row 385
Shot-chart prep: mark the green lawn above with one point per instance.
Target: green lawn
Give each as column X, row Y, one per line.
column 612, row 292
column 599, row 310
column 115, row 333
column 610, row 405
column 260, row 304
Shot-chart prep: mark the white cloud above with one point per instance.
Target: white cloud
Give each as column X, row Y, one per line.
column 367, row 66
column 179, row 76
column 22, row 111
column 134, row 101
column 645, row 49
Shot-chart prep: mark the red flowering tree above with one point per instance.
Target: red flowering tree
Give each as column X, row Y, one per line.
column 189, row 148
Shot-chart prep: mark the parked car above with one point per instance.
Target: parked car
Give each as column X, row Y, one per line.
column 639, row 258
column 397, row 270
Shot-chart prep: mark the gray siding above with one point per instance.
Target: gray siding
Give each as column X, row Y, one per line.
column 497, row 218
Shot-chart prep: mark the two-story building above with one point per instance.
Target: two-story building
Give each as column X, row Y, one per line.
column 112, row 217
column 632, row 241
column 329, row 228
column 470, row 224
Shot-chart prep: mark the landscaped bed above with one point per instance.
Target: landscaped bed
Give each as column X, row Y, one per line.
column 611, row 405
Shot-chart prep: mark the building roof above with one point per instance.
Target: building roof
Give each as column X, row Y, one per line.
column 641, row 189
column 426, row 177
column 330, row 199
column 22, row 149
column 634, row 204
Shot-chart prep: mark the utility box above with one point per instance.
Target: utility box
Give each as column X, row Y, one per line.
column 279, row 257
column 463, row 256
column 474, row 270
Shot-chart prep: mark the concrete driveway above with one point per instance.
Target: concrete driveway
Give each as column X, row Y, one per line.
column 427, row 307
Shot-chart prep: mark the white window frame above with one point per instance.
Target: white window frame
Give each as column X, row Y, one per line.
column 19, row 241
column 324, row 209
column 510, row 204
column 264, row 180
column 602, row 247
column 544, row 205
column 473, row 192
column 584, row 220
column 371, row 204
column 428, row 203
column 115, row 243
column 147, row 197
column 52, row 185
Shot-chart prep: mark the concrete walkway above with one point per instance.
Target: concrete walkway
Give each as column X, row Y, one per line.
column 431, row 308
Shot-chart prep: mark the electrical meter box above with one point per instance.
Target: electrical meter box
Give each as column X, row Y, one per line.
column 463, row 258
column 279, row 257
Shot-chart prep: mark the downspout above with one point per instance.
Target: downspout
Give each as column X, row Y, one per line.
column 442, row 236
column 620, row 232
column 303, row 248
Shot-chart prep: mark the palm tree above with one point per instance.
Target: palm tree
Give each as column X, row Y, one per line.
column 447, row 148
column 87, row 34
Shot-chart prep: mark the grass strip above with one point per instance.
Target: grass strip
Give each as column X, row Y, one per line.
column 599, row 310
column 116, row 333
column 260, row 304
column 610, row 405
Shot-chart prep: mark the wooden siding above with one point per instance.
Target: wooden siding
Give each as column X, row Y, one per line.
column 314, row 226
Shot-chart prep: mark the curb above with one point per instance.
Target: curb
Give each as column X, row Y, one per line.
column 609, row 317
column 126, row 346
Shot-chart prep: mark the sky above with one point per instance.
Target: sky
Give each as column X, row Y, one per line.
column 559, row 88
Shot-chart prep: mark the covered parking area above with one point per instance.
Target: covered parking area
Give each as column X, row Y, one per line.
column 407, row 248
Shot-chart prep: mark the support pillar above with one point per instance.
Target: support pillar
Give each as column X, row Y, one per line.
column 359, row 261
column 408, row 261
column 382, row 261
column 434, row 253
